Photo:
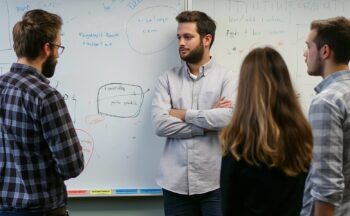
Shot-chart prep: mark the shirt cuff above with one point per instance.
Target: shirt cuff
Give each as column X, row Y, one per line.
column 197, row 131
column 334, row 198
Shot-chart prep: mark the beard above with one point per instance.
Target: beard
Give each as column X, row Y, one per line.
column 195, row 55
column 317, row 69
column 49, row 66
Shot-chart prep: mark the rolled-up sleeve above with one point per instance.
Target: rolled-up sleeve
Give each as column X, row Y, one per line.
column 327, row 179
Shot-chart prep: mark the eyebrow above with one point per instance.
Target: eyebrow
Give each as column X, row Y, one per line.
column 185, row 34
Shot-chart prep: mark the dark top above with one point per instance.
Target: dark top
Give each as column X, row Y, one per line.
column 39, row 147
column 259, row 191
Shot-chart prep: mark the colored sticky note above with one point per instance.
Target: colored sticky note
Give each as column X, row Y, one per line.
column 101, row 192
column 150, row 191
column 77, row 192
column 126, row 191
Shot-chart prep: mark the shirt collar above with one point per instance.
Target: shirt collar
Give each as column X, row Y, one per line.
column 203, row 70
column 334, row 77
column 23, row 68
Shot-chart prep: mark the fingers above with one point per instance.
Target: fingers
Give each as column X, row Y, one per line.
column 223, row 103
column 178, row 113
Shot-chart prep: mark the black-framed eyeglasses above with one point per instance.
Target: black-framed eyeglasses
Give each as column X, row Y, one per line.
column 60, row 48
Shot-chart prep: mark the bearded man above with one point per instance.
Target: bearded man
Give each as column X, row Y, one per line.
column 191, row 104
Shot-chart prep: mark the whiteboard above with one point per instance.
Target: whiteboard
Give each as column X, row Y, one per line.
column 115, row 51
column 282, row 24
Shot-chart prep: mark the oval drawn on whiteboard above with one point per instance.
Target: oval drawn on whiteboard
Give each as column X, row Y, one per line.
column 87, row 143
column 151, row 30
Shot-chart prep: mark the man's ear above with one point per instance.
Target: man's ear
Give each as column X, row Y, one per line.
column 325, row 52
column 46, row 50
column 207, row 40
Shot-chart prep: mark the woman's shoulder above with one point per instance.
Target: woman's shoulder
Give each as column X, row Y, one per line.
column 258, row 171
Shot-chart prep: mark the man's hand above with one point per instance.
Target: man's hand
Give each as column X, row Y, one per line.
column 178, row 113
column 181, row 113
column 223, row 103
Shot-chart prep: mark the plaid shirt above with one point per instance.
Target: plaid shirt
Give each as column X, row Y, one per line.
column 329, row 115
column 39, row 147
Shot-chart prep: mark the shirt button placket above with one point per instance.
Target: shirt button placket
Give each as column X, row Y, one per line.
column 192, row 146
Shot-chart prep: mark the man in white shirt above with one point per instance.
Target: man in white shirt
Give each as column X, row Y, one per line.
column 191, row 104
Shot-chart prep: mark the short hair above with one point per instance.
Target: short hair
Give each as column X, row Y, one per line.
column 36, row 28
column 205, row 24
column 268, row 127
column 335, row 32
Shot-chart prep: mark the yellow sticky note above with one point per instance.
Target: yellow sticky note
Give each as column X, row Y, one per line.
column 101, row 192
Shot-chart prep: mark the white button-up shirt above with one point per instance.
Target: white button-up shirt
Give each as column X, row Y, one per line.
column 191, row 159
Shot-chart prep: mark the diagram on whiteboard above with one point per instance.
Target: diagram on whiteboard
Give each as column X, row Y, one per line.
column 120, row 100
column 154, row 25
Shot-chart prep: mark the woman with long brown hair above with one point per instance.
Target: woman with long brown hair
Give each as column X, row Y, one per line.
column 267, row 146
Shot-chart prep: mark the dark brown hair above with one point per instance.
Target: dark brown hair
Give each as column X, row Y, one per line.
column 205, row 24
column 268, row 126
column 36, row 28
column 335, row 32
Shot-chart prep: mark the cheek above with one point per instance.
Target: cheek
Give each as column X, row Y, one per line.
column 310, row 55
